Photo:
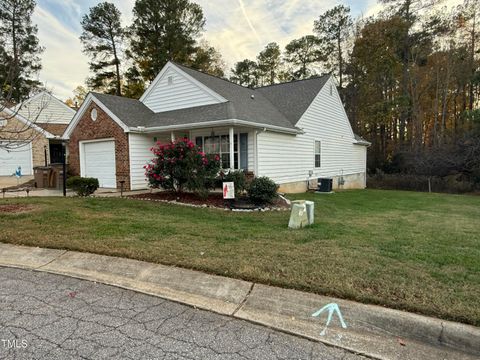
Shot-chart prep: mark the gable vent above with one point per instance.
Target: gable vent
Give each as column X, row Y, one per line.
column 170, row 80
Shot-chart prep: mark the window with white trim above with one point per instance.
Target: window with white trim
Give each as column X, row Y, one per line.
column 220, row 145
column 318, row 153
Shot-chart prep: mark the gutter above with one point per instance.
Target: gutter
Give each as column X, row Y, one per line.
column 362, row 143
column 229, row 122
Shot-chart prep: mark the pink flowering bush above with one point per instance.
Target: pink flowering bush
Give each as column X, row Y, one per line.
column 181, row 165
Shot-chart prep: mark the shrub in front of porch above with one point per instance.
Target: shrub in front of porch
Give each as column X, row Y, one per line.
column 181, row 165
column 262, row 191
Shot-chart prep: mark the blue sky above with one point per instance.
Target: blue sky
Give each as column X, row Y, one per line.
column 238, row 28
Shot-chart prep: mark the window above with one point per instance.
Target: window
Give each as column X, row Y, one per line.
column 318, row 151
column 220, row 145
column 3, row 123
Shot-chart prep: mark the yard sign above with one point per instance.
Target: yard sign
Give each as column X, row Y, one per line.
column 228, row 190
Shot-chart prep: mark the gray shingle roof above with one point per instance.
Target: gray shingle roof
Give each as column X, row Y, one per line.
column 294, row 98
column 279, row 105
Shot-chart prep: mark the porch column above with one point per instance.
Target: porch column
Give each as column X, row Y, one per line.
column 172, row 136
column 231, row 141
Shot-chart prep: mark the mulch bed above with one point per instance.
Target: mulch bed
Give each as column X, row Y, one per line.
column 213, row 200
column 15, row 208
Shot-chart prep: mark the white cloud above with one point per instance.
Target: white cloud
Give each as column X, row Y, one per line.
column 64, row 65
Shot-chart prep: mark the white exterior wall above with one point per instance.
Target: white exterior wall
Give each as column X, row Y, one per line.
column 139, row 148
column 289, row 158
column 44, row 108
column 181, row 93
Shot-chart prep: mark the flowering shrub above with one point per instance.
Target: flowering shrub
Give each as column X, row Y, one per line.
column 181, row 165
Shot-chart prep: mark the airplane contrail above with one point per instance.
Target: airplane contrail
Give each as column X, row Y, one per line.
column 242, row 6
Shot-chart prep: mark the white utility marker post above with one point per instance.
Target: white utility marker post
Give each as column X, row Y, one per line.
column 172, row 136
column 231, row 141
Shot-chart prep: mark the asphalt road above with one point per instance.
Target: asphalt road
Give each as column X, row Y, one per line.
column 45, row 316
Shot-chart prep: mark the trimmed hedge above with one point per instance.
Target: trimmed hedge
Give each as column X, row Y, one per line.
column 82, row 186
column 262, row 190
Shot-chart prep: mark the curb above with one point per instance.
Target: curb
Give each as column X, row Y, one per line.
column 372, row 331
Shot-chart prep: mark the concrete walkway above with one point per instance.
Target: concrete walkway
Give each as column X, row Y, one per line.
column 373, row 331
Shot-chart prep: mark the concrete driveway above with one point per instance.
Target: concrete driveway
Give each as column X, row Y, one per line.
column 46, row 316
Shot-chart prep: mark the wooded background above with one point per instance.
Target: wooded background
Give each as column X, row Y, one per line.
column 408, row 76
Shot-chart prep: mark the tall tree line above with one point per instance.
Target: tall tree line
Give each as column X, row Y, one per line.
column 409, row 78
column 124, row 58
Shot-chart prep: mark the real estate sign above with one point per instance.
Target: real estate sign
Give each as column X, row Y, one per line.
column 228, row 190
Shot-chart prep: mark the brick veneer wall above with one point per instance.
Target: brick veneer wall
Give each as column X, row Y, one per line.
column 102, row 128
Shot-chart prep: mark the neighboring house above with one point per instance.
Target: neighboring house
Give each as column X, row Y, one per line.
column 289, row 132
column 33, row 131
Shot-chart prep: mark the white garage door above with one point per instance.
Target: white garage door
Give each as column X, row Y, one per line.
column 21, row 156
column 99, row 162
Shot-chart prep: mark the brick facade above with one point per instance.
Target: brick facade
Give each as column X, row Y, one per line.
column 102, row 128
column 15, row 130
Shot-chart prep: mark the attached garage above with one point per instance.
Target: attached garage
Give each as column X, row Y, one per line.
column 11, row 160
column 98, row 161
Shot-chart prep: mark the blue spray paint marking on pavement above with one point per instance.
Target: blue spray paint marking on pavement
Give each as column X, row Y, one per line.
column 331, row 308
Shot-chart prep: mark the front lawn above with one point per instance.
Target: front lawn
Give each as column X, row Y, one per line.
column 414, row 251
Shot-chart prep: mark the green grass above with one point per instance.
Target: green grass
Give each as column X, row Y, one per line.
column 413, row 251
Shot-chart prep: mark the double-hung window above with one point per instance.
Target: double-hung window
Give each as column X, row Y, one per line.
column 318, row 153
column 220, row 145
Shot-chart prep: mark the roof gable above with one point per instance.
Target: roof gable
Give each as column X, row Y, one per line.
column 45, row 108
column 9, row 113
column 175, row 89
column 295, row 97
column 100, row 100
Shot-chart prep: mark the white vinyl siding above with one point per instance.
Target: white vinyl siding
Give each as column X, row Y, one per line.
column 140, row 155
column 20, row 156
column 44, row 108
column 179, row 94
column 289, row 158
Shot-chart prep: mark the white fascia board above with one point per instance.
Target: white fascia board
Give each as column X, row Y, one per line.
column 231, row 122
column 86, row 103
column 171, row 65
column 29, row 123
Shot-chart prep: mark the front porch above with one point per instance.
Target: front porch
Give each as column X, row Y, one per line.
column 235, row 145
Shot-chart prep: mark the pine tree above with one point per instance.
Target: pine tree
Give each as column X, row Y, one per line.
column 102, row 40
column 301, row 54
column 207, row 59
column 164, row 30
column 20, row 50
column 269, row 63
column 245, row 73
column 333, row 29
